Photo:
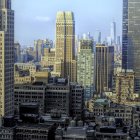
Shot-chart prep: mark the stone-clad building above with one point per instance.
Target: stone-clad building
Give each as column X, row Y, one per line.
column 30, row 93
column 61, row 95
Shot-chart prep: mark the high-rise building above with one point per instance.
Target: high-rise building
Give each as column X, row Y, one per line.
column 17, row 52
column 85, row 68
column 113, row 32
column 39, row 48
column 97, row 37
column 125, row 86
column 88, row 36
column 131, row 38
column 23, row 56
column 108, row 40
column 118, row 42
column 48, row 59
column 104, row 68
column 30, row 53
column 65, row 45
column 77, row 40
column 6, row 58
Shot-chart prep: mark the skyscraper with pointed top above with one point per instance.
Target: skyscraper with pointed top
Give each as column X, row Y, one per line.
column 6, row 58
column 65, row 45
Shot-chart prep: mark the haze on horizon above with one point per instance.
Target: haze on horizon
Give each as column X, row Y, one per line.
column 36, row 19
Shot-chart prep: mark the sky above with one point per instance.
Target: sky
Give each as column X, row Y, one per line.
column 35, row 19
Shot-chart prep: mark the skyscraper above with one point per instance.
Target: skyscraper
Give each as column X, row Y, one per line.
column 131, row 38
column 39, row 47
column 104, row 68
column 6, row 58
column 113, row 32
column 85, row 68
column 97, row 37
column 65, row 45
column 17, row 52
column 118, row 42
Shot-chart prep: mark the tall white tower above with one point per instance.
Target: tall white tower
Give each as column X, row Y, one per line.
column 113, row 32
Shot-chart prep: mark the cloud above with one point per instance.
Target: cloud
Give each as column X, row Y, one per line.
column 42, row 18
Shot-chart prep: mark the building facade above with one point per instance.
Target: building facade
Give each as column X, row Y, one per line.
column 104, row 68
column 85, row 68
column 65, row 45
column 67, row 98
column 113, row 33
column 39, row 46
column 30, row 93
column 77, row 100
column 131, row 38
column 34, row 132
column 17, row 52
column 48, row 59
column 7, row 133
column 57, row 97
column 31, row 67
column 125, row 86
column 6, row 58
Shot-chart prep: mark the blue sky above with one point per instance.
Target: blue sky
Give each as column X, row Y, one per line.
column 35, row 19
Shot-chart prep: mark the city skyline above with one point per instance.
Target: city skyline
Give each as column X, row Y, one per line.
column 38, row 21
column 78, row 82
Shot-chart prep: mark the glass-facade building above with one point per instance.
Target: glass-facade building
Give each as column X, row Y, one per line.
column 131, row 38
column 6, row 59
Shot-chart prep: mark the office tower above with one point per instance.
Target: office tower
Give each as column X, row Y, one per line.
column 125, row 86
column 48, row 59
column 85, row 68
column 17, row 52
column 76, row 45
column 39, row 48
column 113, row 32
column 23, row 56
column 118, row 42
column 97, row 36
column 66, row 97
column 104, row 68
column 48, row 43
column 108, row 41
column 131, row 38
column 30, row 53
column 6, row 58
column 65, row 45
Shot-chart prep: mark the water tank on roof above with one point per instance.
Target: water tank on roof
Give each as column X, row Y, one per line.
column 59, row 131
column 80, row 123
column 73, row 123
